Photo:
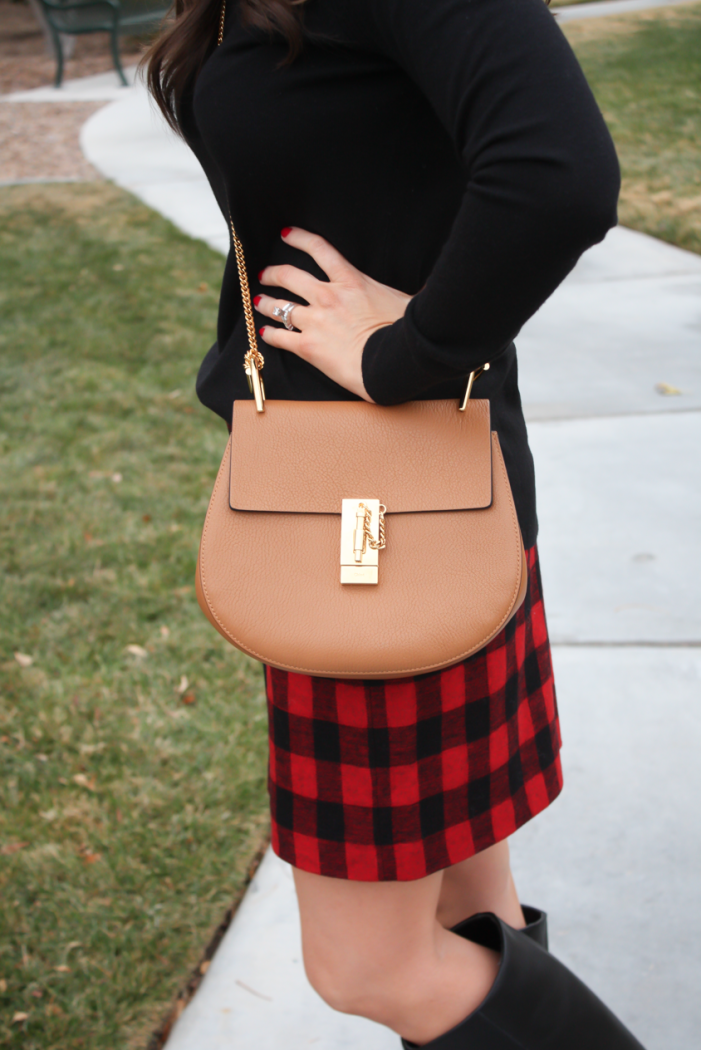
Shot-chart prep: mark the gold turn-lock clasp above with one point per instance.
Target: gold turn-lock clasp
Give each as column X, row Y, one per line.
column 362, row 538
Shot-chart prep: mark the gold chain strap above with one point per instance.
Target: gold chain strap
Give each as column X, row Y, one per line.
column 253, row 361
column 254, row 354
column 381, row 543
column 222, row 16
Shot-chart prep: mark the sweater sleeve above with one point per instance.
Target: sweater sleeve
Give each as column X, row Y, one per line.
column 541, row 179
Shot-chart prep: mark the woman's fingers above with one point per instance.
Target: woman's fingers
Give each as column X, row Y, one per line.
column 336, row 316
column 292, row 279
column 266, row 305
column 282, row 339
column 299, row 282
column 324, row 254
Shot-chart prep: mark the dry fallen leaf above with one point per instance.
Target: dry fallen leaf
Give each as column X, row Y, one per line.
column 667, row 390
column 23, row 660
column 91, row 858
column 189, row 698
column 3, row 985
column 19, row 1017
column 204, row 966
column 165, row 631
column 116, row 477
column 62, row 969
column 137, row 650
column 12, row 847
column 54, row 1010
column 184, row 683
column 82, row 781
column 203, row 287
column 37, row 993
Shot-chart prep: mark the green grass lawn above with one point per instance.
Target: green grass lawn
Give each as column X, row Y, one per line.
column 132, row 781
column 645, row 70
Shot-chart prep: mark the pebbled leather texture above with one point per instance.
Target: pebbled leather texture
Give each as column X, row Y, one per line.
column 307, row 456
column 449, row 579
column 536, row 1003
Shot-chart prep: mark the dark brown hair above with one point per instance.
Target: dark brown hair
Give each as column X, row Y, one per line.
column 190, row 35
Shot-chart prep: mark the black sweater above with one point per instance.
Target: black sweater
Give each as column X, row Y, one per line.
column 449, row 148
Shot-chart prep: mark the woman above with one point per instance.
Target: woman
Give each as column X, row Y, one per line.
column 411, row 180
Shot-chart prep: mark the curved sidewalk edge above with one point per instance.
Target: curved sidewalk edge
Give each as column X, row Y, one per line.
column 129, row 142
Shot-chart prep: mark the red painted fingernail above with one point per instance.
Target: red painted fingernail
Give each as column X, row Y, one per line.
column 257, row 300
column 261, row 331
column 286, row 232
column 260, row 276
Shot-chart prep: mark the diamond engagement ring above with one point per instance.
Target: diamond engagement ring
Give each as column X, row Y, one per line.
column 283, row 312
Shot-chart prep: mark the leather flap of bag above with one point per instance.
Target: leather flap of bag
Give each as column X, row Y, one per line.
column 305, row 457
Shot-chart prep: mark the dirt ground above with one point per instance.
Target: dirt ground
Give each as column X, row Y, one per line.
column 39, row 140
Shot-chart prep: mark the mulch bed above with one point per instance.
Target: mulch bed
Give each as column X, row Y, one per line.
column 39, row 140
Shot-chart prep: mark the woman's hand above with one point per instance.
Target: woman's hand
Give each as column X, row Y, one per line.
column 341, row 315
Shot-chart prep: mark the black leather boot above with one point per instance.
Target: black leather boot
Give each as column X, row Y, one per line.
column 535, row 1003
column 536, row 925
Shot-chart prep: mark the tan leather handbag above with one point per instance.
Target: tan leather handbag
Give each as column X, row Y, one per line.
column 350, row 540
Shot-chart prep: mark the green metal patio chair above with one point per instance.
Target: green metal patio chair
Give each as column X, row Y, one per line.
column 76, row 17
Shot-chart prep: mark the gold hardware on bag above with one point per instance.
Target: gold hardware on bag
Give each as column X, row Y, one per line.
column 362, row 536
column 470, row 383
column 253, row 366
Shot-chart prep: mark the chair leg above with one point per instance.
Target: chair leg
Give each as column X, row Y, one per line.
column 114, row 45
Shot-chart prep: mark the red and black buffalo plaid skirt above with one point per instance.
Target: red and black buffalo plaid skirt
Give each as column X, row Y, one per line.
column 393, row 780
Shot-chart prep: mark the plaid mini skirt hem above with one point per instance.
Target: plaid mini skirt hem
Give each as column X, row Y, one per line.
column 393, row 780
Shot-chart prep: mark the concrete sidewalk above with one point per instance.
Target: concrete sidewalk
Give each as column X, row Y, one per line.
column 101, row 87
column 615, row 859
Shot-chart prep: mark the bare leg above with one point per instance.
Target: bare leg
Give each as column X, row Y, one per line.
column 376, row 949
column 481, row 883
